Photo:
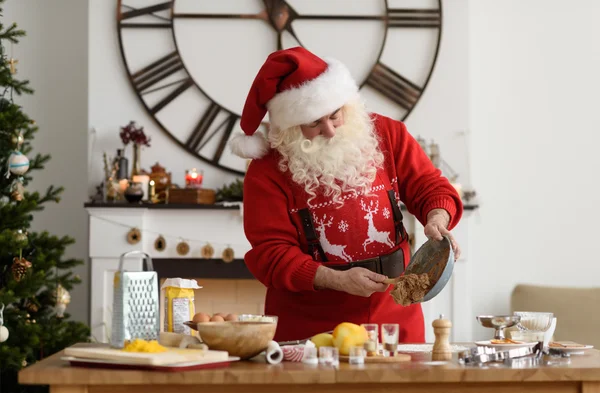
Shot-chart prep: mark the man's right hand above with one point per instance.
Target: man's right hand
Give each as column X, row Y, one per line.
column 356, row 281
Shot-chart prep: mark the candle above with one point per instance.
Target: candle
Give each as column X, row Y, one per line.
column 123, row 184
column 193, row 178
column 151, row 190
column 143, row 180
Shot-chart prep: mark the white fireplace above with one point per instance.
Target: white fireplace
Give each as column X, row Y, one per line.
column 227, row 287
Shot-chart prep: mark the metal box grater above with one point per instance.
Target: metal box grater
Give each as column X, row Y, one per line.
column 135, row 303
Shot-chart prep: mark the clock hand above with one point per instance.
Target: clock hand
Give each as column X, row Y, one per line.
column 184, row 15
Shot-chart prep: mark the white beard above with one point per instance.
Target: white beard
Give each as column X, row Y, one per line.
column 346, row 163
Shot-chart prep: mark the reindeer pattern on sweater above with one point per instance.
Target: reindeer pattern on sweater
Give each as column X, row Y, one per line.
column 362, row 228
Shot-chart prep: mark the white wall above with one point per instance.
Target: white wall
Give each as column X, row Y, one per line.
column 534, row 92
column 53, row 56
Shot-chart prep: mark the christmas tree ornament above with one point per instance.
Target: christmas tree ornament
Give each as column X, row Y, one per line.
column 3, row 334
column 134, row 236
column 183, row 248
column 207, row 251
column 31, row 305
column 18, row 140
column 13, row 65
column 19, row 268
column 24, row 363
column 3, row 329
column 160, row 244
column 18, row 191
column 18, row 163
column 20, row 236
column 228, row 255
column 62, row 298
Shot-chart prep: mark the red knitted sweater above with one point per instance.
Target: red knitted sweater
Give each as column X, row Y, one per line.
column 361, row 229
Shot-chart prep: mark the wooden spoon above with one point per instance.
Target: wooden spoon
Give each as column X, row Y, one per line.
column 391, row 281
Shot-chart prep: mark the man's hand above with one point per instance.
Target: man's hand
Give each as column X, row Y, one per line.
column 356, row 281
column 436, row 228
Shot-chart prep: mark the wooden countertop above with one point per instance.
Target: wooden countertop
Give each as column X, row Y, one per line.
column 54, row 371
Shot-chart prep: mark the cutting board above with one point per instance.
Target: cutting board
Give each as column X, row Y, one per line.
column 171, row 356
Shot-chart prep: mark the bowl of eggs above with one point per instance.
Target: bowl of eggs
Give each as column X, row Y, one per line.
column 245, row 336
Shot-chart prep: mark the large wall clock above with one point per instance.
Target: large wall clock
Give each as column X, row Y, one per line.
column 191, row 62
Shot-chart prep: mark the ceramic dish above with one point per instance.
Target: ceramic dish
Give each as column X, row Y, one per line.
column 504, row 346
column 571, row 350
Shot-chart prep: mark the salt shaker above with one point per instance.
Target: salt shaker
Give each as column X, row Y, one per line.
column 441, row 347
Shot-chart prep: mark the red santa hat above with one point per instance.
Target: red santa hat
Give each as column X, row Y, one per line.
column 295, row 87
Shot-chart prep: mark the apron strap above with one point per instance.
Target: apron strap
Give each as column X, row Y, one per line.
column 310, row 234
column 400, row 231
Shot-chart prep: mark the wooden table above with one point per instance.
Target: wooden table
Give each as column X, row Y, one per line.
column 581, row 375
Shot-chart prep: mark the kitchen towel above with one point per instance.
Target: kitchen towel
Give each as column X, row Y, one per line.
column 273, row 353
column 295, row 353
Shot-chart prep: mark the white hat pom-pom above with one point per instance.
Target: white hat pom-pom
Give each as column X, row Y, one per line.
column 249, row 146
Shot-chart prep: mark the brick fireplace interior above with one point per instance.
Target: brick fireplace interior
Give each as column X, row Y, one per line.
column 226, row 287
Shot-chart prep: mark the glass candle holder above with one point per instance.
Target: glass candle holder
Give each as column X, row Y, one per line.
column 357, row 355
column 193, row 178
column 372, row 342
column 310, row 355
column 329, row 356
column 389, row 336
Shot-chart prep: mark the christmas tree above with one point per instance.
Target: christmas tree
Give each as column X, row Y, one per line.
column 34, row 276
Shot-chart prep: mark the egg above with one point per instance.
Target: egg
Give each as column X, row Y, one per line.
column 231, row 317
column 221, row 314
column 201, row 317
column 217, row 318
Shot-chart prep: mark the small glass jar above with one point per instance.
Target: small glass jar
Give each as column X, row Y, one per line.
column 310, row 355
column 357, row 355
column 329, row 356
column 371, row 345
column 389, row 336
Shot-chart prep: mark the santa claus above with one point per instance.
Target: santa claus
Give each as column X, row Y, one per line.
column 322, row 199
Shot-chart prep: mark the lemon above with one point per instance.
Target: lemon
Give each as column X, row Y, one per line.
column 322, row 340
column 346, row 335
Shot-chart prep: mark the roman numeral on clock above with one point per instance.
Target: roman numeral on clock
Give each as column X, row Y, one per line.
column 203, row 134
column 410, row 17
column 148, row 78
column 394, row 86
column 161, row 22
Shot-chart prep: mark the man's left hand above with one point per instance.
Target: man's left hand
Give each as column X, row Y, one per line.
column 436, row 228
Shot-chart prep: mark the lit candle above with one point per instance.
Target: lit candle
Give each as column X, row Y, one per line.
column 193, row 179
column 151, row 191
column 123, row 184
column 143, row 180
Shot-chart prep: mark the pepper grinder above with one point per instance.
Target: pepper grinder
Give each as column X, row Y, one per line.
column 441, row 347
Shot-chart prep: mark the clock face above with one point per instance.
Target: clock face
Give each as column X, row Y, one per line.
column 191, row 62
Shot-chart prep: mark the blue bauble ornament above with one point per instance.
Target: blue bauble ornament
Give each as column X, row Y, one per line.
column 18, row 163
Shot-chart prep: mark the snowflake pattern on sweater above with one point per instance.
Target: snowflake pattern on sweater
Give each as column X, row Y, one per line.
column 361, row 229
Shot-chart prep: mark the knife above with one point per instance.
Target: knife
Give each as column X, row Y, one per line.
column 299, row 342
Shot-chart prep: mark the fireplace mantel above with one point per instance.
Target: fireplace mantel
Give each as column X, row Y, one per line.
column 222, row 227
